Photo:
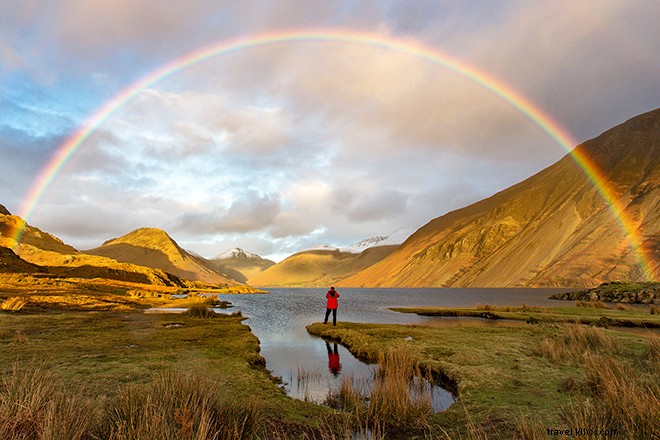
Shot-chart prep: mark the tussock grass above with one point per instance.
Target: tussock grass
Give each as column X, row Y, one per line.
column 180, row 406
column 13, row 304
column 593, row 304
column 619, row 398
column 33, row 405
column 577, row 341
column 398, row 403
column 201, row 311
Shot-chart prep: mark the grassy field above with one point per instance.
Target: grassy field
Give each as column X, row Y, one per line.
column 80, row 359
column 518, row 382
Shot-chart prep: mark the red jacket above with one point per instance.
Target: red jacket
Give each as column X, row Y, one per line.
column 332, row 299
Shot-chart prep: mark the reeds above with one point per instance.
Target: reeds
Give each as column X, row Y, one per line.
column 399, row 400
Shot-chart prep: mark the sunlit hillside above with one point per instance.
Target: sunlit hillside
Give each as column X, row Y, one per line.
column 154, row 248
column 553, row 229
column 319, row 267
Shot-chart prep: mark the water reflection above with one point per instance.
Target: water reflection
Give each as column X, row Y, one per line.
column 334, row 364
column 302, row 361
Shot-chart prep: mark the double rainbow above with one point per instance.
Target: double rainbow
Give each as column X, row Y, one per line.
column 487, row 81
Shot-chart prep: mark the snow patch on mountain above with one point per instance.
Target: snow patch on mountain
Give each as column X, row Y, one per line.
column 236, row 253
column 395, row 238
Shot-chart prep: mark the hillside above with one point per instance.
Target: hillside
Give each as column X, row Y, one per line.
column 40, row 251
column 12, row 263
column 553, row 229
column 240, row 265
column 153, row 248
column 318, row 267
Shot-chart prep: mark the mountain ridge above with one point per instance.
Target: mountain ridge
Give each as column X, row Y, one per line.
column 552, row 229
column 153, row 247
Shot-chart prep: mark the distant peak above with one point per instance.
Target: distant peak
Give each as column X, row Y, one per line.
column 236, row 253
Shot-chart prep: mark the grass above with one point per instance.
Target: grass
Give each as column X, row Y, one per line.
column 13, row 304
column 130, row 360
column 398, row 404
column 509, row 384
column 583, row 313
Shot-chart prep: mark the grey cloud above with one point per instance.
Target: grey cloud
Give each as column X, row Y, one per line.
column 378, row 206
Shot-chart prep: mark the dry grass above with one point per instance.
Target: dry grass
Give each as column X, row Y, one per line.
column 578, row 340
column 618, row 398
column 180, row 406
column 399, row 402
column 13, row 304
column 33, row 405
column 654, row 310
column 592, row 304
column 201, row 311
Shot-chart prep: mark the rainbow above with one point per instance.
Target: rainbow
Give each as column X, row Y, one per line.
column 379, row 41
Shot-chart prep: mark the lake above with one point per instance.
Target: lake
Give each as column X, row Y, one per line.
column 278, row 319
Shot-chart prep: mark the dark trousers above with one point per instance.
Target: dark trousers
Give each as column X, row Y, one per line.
column 327, row 315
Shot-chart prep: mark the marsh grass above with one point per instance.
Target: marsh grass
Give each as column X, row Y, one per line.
column 33, row 405
column 180, row 406
column 397, row 403
column 577, row 341
column 593, row 304
column 201, row 311
column 620, row 397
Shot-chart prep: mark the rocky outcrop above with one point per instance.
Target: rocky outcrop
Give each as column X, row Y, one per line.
column 632, row 293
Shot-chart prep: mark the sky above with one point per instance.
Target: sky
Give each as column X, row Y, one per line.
column 280, row 147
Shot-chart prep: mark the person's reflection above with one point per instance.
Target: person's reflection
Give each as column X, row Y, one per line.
column 333, row 359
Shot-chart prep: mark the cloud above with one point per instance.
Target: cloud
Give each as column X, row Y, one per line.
column 378, row 206
column 304, row 142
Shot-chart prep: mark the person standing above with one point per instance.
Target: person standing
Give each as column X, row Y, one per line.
column 331, row 306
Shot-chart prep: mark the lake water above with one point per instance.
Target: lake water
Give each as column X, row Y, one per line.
column 278, row 319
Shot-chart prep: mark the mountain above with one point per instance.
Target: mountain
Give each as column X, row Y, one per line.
column 4, row 211
column 318, row 267
column 39, row 251
column 151, row 247
column 552, row 229
column 239, row 264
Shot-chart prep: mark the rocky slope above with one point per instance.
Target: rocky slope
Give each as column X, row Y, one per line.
column 553, row 229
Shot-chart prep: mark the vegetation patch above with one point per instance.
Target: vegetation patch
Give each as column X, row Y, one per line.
column 512, row 383
column 582, row 313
